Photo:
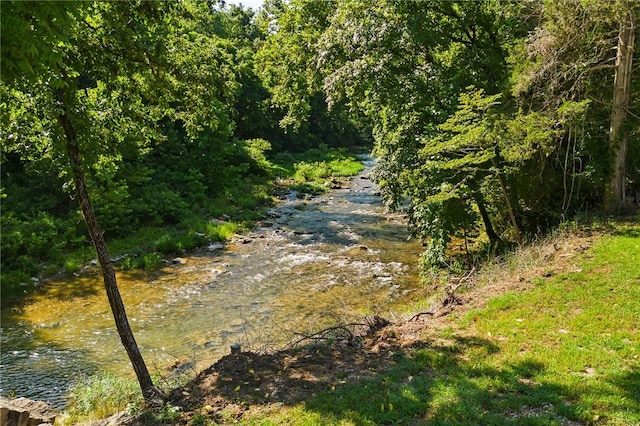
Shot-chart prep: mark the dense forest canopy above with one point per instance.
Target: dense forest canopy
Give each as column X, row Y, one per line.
column 172, row 109
column 492, row 121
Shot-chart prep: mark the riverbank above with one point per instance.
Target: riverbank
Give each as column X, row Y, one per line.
column 56, row 249
column 546, row 336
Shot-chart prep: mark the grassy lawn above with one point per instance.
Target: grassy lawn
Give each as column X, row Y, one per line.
column 566, row 351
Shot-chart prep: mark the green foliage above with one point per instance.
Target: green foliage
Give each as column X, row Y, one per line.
column 166, row 414
column 287, row 64
column 481, row 159
column 311, row 170
column 29, row 242
column 100, row 396
column 177, row 244
column 144, row 261
column 256, row 149
column 72, row 265
column 33, row 37
column 446, row 188
column 571, row 55
column 300, row 24
column 220, row 231
column 15, row 283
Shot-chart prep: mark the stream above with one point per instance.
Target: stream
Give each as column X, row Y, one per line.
column 312, row 263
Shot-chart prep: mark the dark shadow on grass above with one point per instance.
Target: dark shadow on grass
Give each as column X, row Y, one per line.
column 438, row 385
column 628, row 232
column 425, row 383
column 629, row 383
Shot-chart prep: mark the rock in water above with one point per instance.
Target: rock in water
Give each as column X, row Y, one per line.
column 25, row 412
column 215, row 246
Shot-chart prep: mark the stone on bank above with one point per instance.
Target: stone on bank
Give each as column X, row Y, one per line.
column 25, row 412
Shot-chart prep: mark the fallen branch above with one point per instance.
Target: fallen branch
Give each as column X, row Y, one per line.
column 450, row 299
column 329, row 334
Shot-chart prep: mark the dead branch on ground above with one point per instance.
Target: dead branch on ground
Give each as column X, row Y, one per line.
column 450, row 299
column 343, row 332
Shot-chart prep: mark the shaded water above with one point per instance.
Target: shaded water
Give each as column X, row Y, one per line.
column 314, row 263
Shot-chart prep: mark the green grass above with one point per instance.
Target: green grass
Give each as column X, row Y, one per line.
column 568, row 349
column 220, row 231
column 581, row 327
column 99, row 397
column 312, row 171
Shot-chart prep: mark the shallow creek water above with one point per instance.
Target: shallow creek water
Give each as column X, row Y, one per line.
column 314, row 263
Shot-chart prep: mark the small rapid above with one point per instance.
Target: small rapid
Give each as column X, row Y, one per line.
column 314, row 262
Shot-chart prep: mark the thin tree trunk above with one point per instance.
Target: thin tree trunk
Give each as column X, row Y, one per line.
column 149, row 392
column 512, row 216
column 615, row 190
column 488, row 226
column 565, row 197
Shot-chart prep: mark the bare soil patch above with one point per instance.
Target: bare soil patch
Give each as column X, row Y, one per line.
column 249, row 381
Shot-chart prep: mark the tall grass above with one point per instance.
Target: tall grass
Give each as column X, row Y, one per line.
column 220, row 231
column 99, row 397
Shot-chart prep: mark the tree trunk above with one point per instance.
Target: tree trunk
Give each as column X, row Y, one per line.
column 488, row 226
column 615, row 190
column 150, row 393
column 512, row 216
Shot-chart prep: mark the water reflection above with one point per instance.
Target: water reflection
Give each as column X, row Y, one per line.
column 314, row 263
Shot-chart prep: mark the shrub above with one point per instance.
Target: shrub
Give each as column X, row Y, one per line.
column 179, row 243
column 255, row 149
column 311, row 171
column 150, row 260
column 167, row 244
column 221, row 231
column 72, row 265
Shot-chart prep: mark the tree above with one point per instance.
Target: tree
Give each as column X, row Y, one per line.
column 570, row 56
column 615, row 197
column 287, row 64
column 287, row 58
column 470, row 167
column 89, row 65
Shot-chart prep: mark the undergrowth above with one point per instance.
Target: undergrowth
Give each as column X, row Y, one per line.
column 100, row 396
column 311, row 171
column 56, row 246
